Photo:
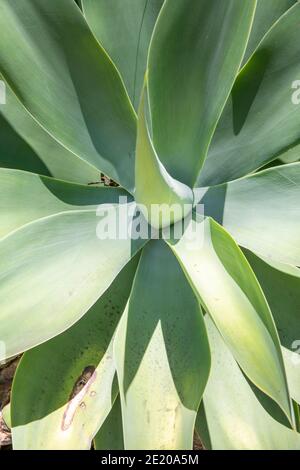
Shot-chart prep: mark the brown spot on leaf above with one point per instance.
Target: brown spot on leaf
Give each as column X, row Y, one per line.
column 79, row 391
column 82, row 381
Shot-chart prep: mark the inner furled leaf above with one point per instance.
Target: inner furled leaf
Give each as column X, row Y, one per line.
column 162, row 355
column 66, row 81
column 230, row 293
column 124, row 28
column 261, row 119
column 194, row 56
column 162, row 199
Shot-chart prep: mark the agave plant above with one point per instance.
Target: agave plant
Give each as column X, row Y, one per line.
column 136, row 342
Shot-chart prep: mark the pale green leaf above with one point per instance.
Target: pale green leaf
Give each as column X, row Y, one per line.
column 154, row 186
column 67, row 82
column 27, row 146
column 262, row 212
column 281, row 286
column 110, row 435
column 291, row 155
column 230, row 293
column 235, row 418
column 161, row 380
column 261, row 119
column 63, row 390
column 124, row 28
column 26, row 197
column 194, row 56
column 266, row 14
column 55, row 258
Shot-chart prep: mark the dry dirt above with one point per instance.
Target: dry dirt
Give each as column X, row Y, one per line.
column 6, row 376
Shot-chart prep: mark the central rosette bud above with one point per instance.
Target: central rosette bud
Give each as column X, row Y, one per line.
column 162, row 213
